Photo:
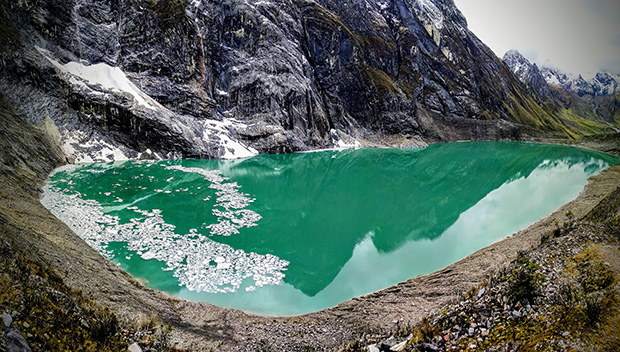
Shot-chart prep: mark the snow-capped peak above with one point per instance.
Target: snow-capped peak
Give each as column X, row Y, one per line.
column 602, row 83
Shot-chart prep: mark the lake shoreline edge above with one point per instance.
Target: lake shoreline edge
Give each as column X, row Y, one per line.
column 30, row 229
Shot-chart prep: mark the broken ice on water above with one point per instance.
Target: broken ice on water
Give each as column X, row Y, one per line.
column 198, row 262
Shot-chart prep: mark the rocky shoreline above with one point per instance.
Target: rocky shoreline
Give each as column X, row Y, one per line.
column 28, row 157
column 560, row 295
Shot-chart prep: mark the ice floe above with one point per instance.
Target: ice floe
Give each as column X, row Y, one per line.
column 232, row 216
column 198, row 262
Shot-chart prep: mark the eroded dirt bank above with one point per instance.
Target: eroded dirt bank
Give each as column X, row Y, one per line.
column 27, row 159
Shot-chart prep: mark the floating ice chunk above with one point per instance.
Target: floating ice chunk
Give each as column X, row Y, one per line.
column 223, row 228
column 148, row 255
column 188, row 256
column 228, row 198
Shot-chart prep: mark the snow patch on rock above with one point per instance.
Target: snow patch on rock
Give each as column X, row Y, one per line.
column 341, row 140
column 220, row 131
column 81, row 148
column 434, row 14
column 100, row 74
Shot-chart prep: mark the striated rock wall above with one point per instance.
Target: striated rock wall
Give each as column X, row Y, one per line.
column 232, row 78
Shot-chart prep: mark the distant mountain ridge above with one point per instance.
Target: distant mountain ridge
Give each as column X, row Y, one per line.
column 528, row 73
column 602, row 84
column 592, row 106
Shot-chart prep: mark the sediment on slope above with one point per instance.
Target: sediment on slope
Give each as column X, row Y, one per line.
column 27, row 158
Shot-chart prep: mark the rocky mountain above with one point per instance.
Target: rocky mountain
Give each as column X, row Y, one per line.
column 528, row 73
column 592, row 106
column 202, row 78
column 539, row 79
column 602, row 84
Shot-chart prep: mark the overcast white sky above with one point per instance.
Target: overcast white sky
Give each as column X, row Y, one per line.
column 578, row 36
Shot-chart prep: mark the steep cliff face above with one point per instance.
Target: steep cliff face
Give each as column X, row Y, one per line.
column 202, row 78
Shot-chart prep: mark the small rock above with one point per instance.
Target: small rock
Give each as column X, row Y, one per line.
column 481, row 292
column 427, row 347
column 25, row 325
column 565, row 334
column 470, row 331
column 387, row 343
column 372, row 348
column 516, row 313
column 14, row 342
column 7, row 319
column 134, row 347
column 399, row 346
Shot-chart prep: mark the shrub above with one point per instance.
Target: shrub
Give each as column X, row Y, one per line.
column 594, row 305
column 424, row 332
column 566, row 297
column 105, row 326
column 524, row 281
column 592, row 273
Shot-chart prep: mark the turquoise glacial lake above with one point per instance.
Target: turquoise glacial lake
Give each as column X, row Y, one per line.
column 297, row 233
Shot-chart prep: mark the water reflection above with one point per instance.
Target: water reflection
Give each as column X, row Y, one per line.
column 341, row 218
column 328, row 202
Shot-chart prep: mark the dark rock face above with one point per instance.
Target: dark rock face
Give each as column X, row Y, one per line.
column 230, row 78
